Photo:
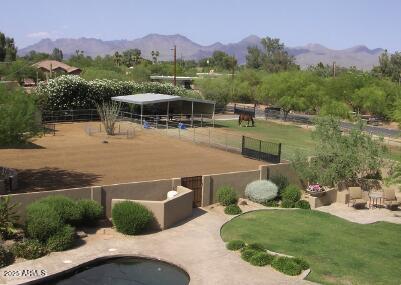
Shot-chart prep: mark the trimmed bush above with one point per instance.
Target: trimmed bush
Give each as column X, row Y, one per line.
column 67, row 208
column 232, row 210
column 290, row 196
column 286, row 265
column 261, row 191
column 256, row 246
column 42, row 221
column 247, row 254
column 272, row 203
column 304, row 265
column 226, row 196
column 235, row 245
column 302, row 204
column 6, row 257
column 91, row 211
column 62, row 240
column 281, row 181
column 261, row 259
column 29, row 249
column 131, row 218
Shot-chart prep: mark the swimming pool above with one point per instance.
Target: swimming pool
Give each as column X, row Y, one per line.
column 123, row 271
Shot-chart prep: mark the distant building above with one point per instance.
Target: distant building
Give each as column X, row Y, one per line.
column 50, row 66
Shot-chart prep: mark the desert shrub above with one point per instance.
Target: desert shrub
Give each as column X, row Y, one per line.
column 42, row 221
column 131, row 218
column 247, row 254
column 271, row 203
column 286, row 265
column 61, row 240
column 91, row 211
column 302, row 204
column 235, row 245
column 29, row 249
column 232, row 210
column 6, row 257
column 261, row 259
column 281, row 181
column 261, row 191
column 292, row 193
column 65, row 207
column 226, row 196
column 304, row 265
column 8, row 217
column 256, row 246
column 287, row 204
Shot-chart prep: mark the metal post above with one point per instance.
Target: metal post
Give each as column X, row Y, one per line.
column 168, row 113
column 192, row 115
column 141, row 114
column 175, row 65
column 194, row 135
column 209, row 136
column 201, row 120
column 214, row 108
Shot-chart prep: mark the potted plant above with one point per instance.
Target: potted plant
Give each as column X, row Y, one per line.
column 316, row 190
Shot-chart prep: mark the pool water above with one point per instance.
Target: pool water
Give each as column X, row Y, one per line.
column 123, row 271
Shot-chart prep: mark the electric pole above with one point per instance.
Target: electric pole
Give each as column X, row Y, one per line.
column 175, row 65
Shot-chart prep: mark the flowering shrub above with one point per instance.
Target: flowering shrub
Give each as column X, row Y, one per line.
column 73, row 92
column 261, row 191
column 315, row 188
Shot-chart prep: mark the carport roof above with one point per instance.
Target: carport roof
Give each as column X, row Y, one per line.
column 153, row 98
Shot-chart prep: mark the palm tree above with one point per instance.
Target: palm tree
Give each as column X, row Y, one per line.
column 117, row 58
column 155, row 55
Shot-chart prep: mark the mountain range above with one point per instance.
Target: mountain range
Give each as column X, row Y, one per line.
column 359, row 56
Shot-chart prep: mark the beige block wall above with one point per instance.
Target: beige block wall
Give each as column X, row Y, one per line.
column 24, row 199
column 155, row 190
column 237, row 180
column 287, row 170
column 168, row 212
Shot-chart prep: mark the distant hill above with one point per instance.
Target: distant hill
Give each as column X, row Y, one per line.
column 359, row 56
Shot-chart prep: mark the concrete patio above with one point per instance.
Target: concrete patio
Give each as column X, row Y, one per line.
column 195, row 245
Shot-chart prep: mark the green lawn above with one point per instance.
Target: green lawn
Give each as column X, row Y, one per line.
column 338, row 251
column 293, row 138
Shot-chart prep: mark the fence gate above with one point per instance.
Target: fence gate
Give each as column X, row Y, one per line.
column 195, row 184
column 261, row 150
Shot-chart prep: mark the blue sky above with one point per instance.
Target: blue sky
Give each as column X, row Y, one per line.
column 335, row 24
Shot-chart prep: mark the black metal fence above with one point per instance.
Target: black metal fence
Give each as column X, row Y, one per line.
column 261, row 150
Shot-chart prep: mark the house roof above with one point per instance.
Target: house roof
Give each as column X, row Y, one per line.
column 153, row 98
column 54, row 64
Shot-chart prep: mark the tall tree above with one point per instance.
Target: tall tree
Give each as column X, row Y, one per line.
column 254, row 58
column 131, row 57
column 389, row 66
column 8, row 50
column 155, row 54
column 117, row 58
column 57, row 54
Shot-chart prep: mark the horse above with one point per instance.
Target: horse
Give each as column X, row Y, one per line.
column 246, row 117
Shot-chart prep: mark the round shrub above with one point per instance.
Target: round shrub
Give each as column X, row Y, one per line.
column 62, row 240
column 232, row 210
column 248, row 253
column 304, row 265
column 226, row 196
column 261, row 259
column 261, row 191
column 256, row 246
column 29, row 249
column 6, row 257
column 235, row 245
column 272, row 203
column 302, row 204
column 131, row 218
column 91, row 211
column 67, row 208
column 281, row 181
column 42, row 221
column 291, row 193
column 286, row 265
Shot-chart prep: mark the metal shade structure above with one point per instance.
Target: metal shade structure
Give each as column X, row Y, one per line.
column 171, row 103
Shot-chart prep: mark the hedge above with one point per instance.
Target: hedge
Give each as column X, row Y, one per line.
column 91, row 211
column 65, row 207
column 232, row 210
column 42, row 221
column 74, row 92
column 226, row 196
column 62, row 240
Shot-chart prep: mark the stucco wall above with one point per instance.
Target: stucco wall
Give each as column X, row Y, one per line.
column 285, row 169
column 169, row 211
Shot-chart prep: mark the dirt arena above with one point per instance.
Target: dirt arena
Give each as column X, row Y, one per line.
column 72, row 158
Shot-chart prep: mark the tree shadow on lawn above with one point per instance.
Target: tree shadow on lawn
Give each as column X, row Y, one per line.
column 44, row 179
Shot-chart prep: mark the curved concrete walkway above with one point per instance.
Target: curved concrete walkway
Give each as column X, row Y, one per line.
column 195, row 245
